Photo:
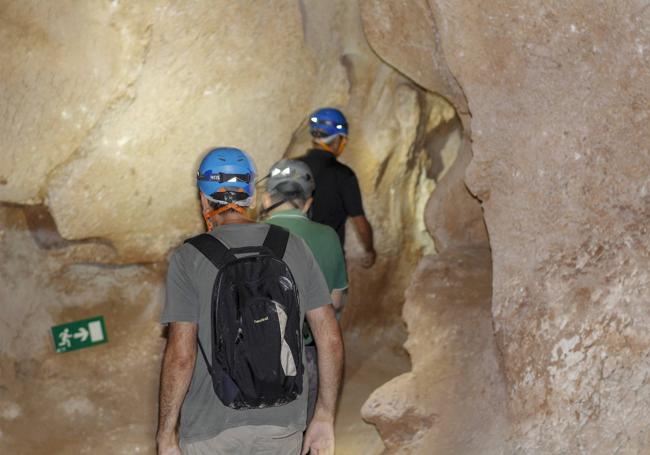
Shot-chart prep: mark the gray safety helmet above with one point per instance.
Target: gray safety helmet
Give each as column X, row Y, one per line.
column 290, row 179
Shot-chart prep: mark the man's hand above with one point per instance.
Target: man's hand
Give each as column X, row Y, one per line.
column 368, row 259
column 364, row 231
column 168, row 445
column 319, row 438
column 169, row 450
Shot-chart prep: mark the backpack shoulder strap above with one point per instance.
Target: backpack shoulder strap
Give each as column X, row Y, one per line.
column 211, row 248
column 276, row 240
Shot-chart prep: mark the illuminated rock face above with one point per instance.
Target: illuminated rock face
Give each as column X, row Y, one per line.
column 453, row 399
column 108, row 108
column 559, row 110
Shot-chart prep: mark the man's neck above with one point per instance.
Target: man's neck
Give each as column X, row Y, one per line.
column 320, row 148
column 231, row 218
column 283, row 208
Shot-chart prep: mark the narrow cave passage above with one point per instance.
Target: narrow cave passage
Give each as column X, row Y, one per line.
column 541, row 108
column 372, row 322
column 132, row 157
column 449, row 324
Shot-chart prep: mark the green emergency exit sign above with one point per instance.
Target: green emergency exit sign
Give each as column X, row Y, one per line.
column 79, row 334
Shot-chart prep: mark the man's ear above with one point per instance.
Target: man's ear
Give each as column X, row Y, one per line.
column 341, row 141
column 266, row 200
column 205, row 205
column 307, row 205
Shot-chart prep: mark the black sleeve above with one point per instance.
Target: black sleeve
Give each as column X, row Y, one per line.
column 351, row 195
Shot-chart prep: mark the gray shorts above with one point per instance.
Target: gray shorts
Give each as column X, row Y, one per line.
column 249, row 440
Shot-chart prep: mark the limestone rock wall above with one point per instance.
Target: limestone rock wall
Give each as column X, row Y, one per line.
column 403, row 140
column 559, row 104
column 108, row 107
column 559, row 118
column 104, row 396
column 453, row 399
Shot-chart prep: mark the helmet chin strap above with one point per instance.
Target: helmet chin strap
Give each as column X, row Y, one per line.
column 208, row 214
column 266, row 210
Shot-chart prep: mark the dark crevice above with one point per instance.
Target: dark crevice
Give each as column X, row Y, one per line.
column 45, row 233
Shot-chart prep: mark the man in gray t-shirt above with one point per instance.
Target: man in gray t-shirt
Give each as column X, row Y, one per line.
column 206, row 424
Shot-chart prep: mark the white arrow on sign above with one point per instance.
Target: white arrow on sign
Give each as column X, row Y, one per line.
column 82, row 333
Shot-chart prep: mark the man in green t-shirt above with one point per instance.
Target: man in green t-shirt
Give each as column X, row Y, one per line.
column 288, row 197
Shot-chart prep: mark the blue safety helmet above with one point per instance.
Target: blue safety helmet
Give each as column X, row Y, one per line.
column 327, row 122
column 227, row 175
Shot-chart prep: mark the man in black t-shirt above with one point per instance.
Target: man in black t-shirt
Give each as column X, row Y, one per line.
column 337, row 194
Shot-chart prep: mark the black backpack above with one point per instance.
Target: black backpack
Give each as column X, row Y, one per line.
column 255, row 322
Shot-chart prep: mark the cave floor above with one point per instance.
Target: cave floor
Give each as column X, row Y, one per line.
column 368, row 365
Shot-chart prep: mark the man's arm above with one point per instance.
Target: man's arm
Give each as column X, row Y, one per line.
column 319, row 437
column 175, row 375
column 337, row 299
column 364, row 231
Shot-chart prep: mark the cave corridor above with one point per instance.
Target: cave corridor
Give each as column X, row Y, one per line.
column 502, row 155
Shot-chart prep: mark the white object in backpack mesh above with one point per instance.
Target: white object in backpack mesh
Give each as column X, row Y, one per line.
column 286, row 358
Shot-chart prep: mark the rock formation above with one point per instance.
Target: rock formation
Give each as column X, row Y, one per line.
column 114, row 104
column 540, row 108
column 559, row 106
column 566, row 206
column 453, row 399
column 99, row 400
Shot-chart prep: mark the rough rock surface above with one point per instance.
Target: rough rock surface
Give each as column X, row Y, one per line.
column 560, row 108
column 114, row 123
column 453, row 400
column 402, row 142
column 408, row 39
column 55, row 86
column 453, row 216
column 108, row 390
column 559, row 101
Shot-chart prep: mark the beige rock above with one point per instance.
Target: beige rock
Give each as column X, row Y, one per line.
column 559, row 103
column 83, row 392
column 55, row 86
column 453, row 400
column 138, row 100
column 408, row 39
column 559, row 100
column 453, row 216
